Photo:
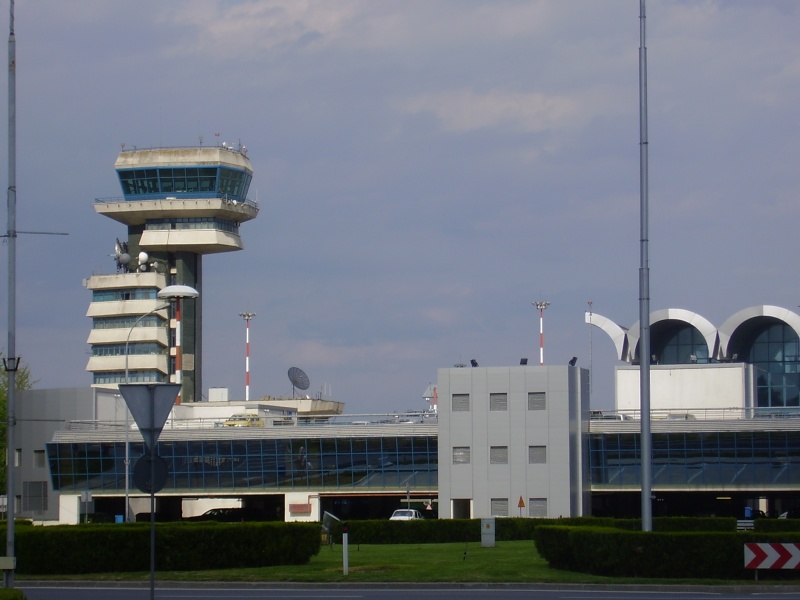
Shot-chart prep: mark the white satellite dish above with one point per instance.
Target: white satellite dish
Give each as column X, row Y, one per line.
column 143, row 257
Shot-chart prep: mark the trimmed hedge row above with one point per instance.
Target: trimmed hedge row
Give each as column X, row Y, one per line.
column 429, row 531
column 179, row 547
column 665, row 554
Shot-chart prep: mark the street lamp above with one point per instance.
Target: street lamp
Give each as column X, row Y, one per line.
column 171, row 292
column 541, row 305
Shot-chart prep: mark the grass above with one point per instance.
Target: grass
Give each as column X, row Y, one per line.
column 507, row 562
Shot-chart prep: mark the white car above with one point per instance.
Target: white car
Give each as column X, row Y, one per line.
column 405, row 514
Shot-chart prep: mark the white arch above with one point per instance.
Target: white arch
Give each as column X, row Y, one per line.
column 617, row 334
column 730, row 326
column 703, row 325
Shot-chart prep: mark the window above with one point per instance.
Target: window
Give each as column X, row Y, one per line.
column 34, row 496
column 38, row 459
column 498, row 455
column 498, row 402
column 537, row 507
column 537, row 401
column 461, row 455
column 499, row 507
column 537, row 455
column 460, row 402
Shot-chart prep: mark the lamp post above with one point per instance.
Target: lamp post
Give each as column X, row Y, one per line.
column 247, row 316
column 171, row 292
column 541, row 305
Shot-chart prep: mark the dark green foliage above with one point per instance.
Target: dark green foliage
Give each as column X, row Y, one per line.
column 11, row 594
column 665, row 554
column 179, row 547
column 776, row 525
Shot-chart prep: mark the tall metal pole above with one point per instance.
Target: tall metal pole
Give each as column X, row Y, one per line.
column 11, row 362
column 541, row 305
column 644, row 285
column 247, row 316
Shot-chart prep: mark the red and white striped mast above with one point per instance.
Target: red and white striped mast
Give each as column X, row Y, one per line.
column 247, row 316
column 541, row 305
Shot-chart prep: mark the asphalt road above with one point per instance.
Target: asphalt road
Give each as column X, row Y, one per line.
column 397, row 592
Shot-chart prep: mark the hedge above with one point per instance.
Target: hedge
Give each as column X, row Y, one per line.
column 666, row 554
column 179, row 547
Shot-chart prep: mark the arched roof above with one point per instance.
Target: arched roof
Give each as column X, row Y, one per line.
column 703, row 325
column 733, row 323
column 617, row 334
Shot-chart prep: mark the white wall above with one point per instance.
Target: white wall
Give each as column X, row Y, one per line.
column 717, row 385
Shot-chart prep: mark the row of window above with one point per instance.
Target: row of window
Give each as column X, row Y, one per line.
column 136, row 348
column 193, row 223
column 127, row 322
column 112, row 377
column 124, row 294
column 178, row 180
column 212, row 464
column 498, row 455
column 498, row 402
column 537, row 507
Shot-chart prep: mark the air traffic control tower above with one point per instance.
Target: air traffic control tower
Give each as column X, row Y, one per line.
column 178, row 204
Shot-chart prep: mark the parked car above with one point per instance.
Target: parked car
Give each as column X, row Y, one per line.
column 225, row 515
column 244, row 420
column 405, row 514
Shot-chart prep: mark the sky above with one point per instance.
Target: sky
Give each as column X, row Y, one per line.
column 425, row 170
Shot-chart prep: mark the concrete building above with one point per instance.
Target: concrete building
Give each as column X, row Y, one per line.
column 178, row 204
column 513, row 441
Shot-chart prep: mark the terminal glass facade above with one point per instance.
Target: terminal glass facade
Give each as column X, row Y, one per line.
column 716, row 460
column 774, row 356
column 255, row 464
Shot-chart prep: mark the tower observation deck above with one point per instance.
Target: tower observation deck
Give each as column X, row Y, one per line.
column 178, row 204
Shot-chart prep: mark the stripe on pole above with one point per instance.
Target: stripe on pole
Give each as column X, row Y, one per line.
column 772, row 556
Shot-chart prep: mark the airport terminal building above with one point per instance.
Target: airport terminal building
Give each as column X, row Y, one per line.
column 518, row 441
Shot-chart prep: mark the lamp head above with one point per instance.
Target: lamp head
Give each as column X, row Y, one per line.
column 173, row 292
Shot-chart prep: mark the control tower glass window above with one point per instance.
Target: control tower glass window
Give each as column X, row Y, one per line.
column 193, row 182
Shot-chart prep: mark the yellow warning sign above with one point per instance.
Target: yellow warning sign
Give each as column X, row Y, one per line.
column 521, row 503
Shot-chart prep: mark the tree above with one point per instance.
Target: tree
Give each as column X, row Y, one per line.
column 22, row 381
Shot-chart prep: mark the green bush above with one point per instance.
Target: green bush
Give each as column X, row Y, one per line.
column 179, row 546
column 6, row 594
column 665, row 554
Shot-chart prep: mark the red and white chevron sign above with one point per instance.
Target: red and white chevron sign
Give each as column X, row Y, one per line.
column 772, row 556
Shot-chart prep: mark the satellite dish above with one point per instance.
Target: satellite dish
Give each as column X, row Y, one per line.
column 143, row 257
column 299, row 379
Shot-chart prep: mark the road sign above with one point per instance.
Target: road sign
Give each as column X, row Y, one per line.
column 772, row 556
column 150, row 478
column 150, row 405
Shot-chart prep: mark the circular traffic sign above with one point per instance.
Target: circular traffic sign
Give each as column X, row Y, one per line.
column 150, row 473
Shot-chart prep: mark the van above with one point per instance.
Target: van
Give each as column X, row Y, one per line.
column 244, row 420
